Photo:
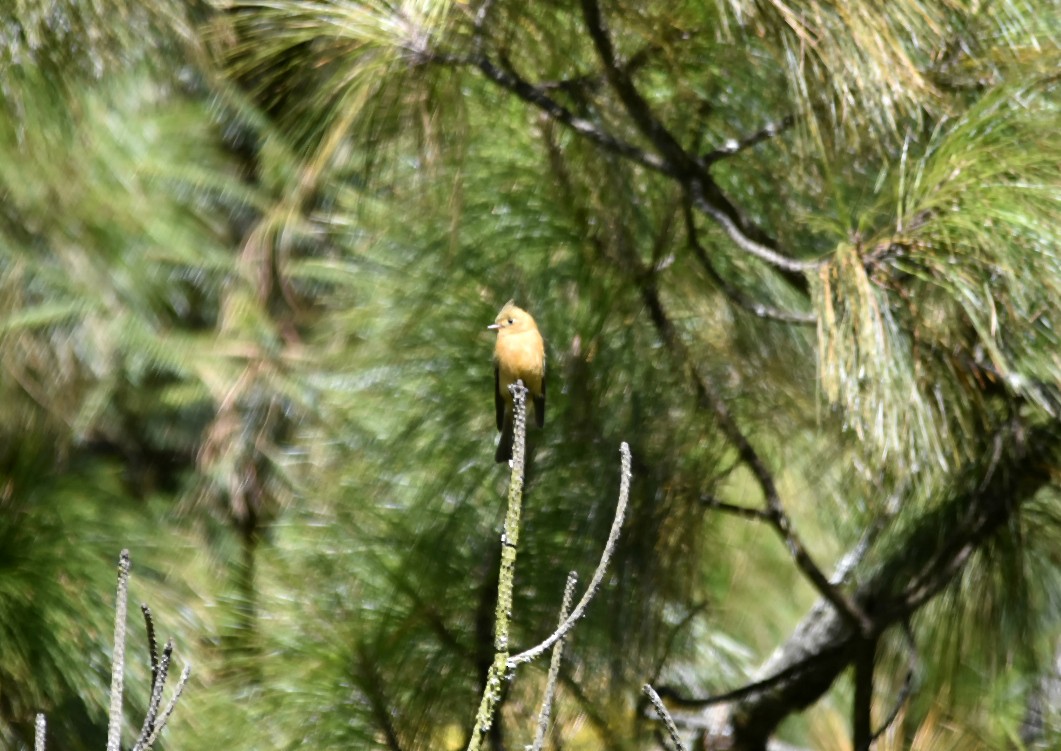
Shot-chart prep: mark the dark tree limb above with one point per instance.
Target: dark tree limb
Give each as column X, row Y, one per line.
column 862, row 706
column 908, row 683
column 538, row 97
column 744, row 512
column 672, row 160
column 823, row 645
column 709, row 396
column 703, row 191
column 636, row 107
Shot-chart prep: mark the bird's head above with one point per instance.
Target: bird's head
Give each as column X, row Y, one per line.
column 512, row 320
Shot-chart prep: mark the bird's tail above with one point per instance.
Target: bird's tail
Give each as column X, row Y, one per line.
column 504, row 446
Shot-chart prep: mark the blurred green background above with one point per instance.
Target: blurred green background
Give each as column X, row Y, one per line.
column 248, row 252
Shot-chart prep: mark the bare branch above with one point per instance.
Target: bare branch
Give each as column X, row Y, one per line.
column 709, row 396
column 752, row 514
column 499, row 670
column 726, row 219
column 598, row 574
column 664, row 715
column 160, row 671
column 737, row 296
column 823, row 645
column 114, row 722
column 152, row 642
column 38, row 733
column 702, row 189
column 735, row 146
column 755, row 688
column 528, row 92
column 908, row 683
column 554, row 667
column 636, row 106
column 672, row 160
column 164, row 718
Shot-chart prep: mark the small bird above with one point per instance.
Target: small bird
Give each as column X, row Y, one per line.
column 519, row 355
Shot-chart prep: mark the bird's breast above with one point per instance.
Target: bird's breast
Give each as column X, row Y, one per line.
column 520, row 357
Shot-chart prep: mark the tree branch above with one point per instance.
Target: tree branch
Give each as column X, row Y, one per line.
column 752, row 514
column 734, row 146
column 668, row 721
column 709, row 396
column 737, row 296
column 908, row 683
column 499, row 673
column 528, row 92
column 114, row 724
column 554, row 668
column 862, row 704
column 598, row 574
column 673, row 160
column 824, row 645
column 647, row 123
column 703, row 191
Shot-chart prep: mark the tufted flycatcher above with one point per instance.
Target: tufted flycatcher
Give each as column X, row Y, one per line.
column 519, row 355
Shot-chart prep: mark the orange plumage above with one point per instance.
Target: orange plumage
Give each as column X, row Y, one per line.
column 519, row 355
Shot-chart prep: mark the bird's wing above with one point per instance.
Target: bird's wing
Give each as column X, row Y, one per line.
column 539, row 406
column 499, row 402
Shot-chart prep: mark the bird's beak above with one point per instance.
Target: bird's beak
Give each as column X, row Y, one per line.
column 494, row 326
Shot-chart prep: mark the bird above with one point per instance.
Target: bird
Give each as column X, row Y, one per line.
column 519, row 355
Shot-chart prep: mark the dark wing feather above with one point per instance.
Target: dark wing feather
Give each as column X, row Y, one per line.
column 499, row 403
column 539, row 406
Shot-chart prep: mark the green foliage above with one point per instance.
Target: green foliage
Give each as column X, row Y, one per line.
column 248, row 252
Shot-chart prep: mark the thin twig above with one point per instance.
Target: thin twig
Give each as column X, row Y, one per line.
column 664, row 715
column 912, row 662
column 161, row 672
column 554, row 667
column 164, row 718
column 737, row 234
column 114, row 722
column 598, row 574
column 701, row 188
column 668, row 642
column 152, row 643
column 735, row 146
column 709, row 395
column 38, row 733
column 753, row 514
column 731, row 291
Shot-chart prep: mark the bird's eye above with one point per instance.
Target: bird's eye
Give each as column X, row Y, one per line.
column 510, row 322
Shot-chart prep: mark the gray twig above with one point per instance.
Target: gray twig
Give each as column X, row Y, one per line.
column 114, row 724
column 164, row 718
column 38, row 734
column 160, row 672
column 664, row 715
column 598, row 574
column 554, row 668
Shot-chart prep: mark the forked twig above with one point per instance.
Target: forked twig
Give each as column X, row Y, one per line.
column 554, row 668
column 598, row 574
